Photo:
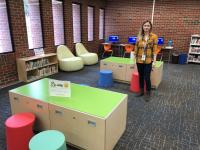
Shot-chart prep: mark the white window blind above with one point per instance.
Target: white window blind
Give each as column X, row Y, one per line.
column 90, row 23
column 76, row 23
column 58, row 24
column 5, row 38
column 33, row 23
column 101, row 23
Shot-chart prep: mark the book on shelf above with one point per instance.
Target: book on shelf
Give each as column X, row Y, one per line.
column 195, row 41
column 35, row 64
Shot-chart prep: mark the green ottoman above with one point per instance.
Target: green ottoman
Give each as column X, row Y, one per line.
column 48, row 140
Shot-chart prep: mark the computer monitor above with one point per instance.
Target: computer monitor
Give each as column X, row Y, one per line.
column 132, row 39
column 113, row 38
column 160, row 40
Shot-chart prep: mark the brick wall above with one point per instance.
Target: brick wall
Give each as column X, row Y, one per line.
column 176, row 20
column 8, row 68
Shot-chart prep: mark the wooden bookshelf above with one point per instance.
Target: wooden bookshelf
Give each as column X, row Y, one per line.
column 36, row 67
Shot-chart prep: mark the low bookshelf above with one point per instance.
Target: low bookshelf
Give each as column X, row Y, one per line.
column 36, row 67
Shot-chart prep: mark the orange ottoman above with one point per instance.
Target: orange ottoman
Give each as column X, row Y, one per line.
column 19, row 131
column 135, row 83
column 135, row 86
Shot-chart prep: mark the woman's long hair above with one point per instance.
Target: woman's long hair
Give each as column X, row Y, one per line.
column 141, row 32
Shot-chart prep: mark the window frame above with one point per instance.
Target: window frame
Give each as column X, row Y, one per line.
column 41, row 24
column 63, row 23
column 103, row 24
column 93, row 23
column 80, row 21
column 10, row 28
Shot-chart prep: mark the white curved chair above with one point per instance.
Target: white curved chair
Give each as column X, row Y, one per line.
column 67, row 61
column 88, row 58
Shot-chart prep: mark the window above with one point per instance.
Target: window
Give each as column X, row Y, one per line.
column 33, row 23
column 101, row 23
column 57, row 7
column 76, row 23
column 90, row 23
column 5, row 38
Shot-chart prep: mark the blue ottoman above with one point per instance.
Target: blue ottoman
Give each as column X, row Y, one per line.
column 105, row 78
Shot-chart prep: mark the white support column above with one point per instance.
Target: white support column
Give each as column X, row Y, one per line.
column 153, row 11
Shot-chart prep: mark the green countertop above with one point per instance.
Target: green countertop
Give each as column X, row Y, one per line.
column 93, row 101
column 119, row 60
column 122, row 60
column 158, row 64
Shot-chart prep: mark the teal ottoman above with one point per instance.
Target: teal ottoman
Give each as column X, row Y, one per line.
column 48, row 140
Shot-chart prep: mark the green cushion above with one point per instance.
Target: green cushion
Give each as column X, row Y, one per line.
column 48, row 140
column 120, row 60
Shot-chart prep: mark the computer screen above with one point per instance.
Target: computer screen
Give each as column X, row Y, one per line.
column 113, row 38
column 132, row 39
column 160, row 40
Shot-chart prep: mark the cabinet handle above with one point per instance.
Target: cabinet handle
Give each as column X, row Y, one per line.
column 91, row 123
column 16, row 98
column 39, row 106
column 120, row 66
column 132, row 67
column 58, row 112
column 105, row 64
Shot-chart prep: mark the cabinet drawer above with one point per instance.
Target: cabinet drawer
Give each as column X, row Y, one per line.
column 129, row 71
column 79, row 128
column 106, row 65
column 119, row 71
column 41, row 111
column 18, row 103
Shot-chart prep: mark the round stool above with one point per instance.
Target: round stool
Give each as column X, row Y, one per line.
column 48, row 140
column 19, row 130
column 105, row 78
column 135, row 86
column 135, row 83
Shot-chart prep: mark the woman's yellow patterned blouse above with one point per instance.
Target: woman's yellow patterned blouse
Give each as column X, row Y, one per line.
column 151, row 47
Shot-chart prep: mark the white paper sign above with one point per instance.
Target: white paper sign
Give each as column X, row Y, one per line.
column 59, row 88
column 38, row 51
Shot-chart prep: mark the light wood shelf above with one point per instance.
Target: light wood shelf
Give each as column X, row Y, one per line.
column 36, row 67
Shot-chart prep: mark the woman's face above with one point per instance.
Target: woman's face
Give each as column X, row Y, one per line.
column 146, row 27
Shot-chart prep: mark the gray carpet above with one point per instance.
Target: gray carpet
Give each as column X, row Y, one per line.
column 170, row 121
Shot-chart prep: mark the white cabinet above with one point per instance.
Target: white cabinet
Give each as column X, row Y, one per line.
column 88, row 131
column 121, row 71
column 194, row 49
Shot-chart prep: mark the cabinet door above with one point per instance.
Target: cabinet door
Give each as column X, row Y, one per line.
column 156, row 76
column 18, row 103
column 21, row 103
column 129, row 71
column 41, row 111
column 119, row 71
column 80, row 129
column 105, row 65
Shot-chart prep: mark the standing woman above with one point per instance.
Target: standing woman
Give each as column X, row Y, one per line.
column 145, row 54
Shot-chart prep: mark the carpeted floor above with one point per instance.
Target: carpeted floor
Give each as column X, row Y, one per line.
column 170, row 121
